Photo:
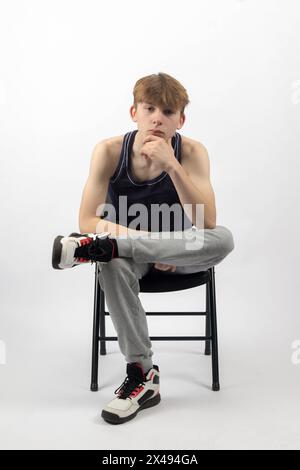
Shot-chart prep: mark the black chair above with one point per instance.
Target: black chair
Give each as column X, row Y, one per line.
column 155, row 281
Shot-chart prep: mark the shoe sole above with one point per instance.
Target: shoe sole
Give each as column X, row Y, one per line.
column 115, row 419
column 56, row 252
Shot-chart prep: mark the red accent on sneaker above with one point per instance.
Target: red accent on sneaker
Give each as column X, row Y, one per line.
column 84, row 241
column 136, row 392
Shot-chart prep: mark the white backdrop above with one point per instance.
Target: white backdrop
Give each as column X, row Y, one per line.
column 67, row 73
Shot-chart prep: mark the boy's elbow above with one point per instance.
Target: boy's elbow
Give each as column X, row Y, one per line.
column 83, row 226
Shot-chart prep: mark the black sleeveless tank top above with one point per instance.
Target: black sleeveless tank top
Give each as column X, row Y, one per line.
column 124, row 192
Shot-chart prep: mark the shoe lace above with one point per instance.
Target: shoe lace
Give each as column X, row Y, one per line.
column 96, row 250
column 129, row 385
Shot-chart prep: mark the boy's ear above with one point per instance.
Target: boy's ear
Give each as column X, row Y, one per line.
column 132, row 112
column 182, row 120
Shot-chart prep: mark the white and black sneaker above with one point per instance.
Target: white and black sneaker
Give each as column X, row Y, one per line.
column 80, row 248
column 138, row 391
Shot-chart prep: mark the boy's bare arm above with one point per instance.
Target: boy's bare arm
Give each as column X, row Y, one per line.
column 94, row 195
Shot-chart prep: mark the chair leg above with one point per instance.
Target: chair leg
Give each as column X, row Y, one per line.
column 102, row 323
column 95, row 344
column 207, row 322
column 215, row 360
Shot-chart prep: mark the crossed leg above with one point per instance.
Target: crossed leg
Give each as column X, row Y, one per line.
column 197, row 251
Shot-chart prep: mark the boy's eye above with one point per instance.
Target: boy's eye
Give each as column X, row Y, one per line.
column 169, row 111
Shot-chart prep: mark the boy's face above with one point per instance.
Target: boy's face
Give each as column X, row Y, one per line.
column 152, row 120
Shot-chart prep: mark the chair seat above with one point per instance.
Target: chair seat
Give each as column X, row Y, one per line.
column 155, row 281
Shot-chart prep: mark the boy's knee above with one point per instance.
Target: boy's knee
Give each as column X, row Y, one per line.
column 116, row 265
column 226, row 240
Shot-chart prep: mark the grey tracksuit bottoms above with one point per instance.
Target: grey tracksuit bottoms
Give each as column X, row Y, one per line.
column 191, row 250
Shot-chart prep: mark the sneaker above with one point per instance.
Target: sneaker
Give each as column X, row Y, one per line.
column 138, row 391
column 79, row 248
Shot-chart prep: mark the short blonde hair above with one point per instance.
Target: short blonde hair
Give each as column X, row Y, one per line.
column 161, row 90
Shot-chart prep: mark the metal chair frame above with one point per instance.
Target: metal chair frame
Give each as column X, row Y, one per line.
column 162, row 282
